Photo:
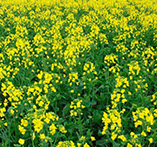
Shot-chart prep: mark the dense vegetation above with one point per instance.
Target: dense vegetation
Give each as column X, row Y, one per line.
column 78, row 73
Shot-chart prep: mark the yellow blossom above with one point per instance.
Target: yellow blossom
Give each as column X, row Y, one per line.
column 93, row 138
column 151, row 140
column 21, row 141
column 42, row 136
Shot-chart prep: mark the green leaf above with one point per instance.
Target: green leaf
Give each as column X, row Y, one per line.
column 17, row 145
column 101, row 142
column 97, row 116
column 66, row 109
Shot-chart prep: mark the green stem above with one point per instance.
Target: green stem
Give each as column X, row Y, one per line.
column 80, row 125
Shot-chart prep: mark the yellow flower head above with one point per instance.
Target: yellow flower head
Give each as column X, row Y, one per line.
column 21, row 141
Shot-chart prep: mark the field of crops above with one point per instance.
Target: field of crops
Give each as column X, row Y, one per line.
column 78, row 73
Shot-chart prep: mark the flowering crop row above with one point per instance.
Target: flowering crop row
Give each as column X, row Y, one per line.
column 78, row 73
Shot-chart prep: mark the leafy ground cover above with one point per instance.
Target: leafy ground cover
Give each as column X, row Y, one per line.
column 78, row 73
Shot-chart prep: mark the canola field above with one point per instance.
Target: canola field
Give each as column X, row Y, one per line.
column 78, row 73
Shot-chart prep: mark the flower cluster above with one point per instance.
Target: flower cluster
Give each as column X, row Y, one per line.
column 76, row 106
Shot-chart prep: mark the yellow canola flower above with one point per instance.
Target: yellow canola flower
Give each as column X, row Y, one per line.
column 151, row 140
column 78, row 144
column 62, row 129
column 24, row 122
column 42, row 136
column 86, row 145
column 129, row 145
column 83, row 138
column 66, row 144
column 113, row 136
column 93, row 138
column 21, row 141
column 6, row 124
column 122, row 137
column 33, row 135
column 22, row 130
column 38, row 125
column 12, row 111
column 148, row 129
column 52, row 129
column 143, row 134
column 138, row 123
